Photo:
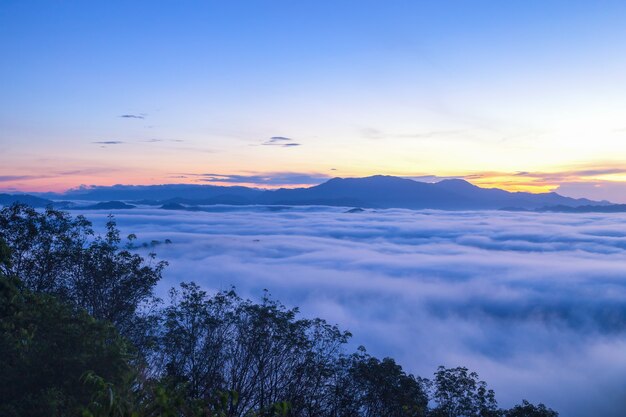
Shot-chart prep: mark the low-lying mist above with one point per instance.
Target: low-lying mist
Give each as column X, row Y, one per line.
column 535, row 303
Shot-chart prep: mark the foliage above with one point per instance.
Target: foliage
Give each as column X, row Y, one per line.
column 114, row 282
column 260, row 351
column 46, row 346
column 527, row 409
column 67, row 294
column 371, row 387
column 54, row 253
column 46, row 247
column 459, row 392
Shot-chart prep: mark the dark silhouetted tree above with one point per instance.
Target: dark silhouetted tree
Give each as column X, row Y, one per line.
column 459, row 393
column 527, row 409
column 46, row 247
column 371, row 387
column 45, row 349
column 66, row 294
column 262, row 352
column 112, row 283
column 55, row 253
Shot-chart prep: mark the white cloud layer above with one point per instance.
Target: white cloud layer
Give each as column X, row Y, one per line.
column 536, row 303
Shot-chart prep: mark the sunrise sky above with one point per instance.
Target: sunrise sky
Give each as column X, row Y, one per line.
column 520, row 95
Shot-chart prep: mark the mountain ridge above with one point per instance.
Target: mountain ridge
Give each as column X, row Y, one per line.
column 377, row 191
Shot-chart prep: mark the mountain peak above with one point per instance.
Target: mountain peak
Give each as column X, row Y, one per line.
column 456, row 184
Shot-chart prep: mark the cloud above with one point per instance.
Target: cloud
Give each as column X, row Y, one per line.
column 597, row 190
column 598, row 177
column 373, row 133
column 535, row 302
column 9, row 178
column 270, row 178
column 430, row 178
column 87, row 171
column 282, row 141
column 163, row 140
column 571, row 175
column 134, row 116
column 109, row 142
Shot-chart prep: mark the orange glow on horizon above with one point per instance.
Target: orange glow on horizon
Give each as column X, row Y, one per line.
column 539, row 182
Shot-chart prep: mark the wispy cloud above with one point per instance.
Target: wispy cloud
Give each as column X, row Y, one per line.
column 264, row 179
column 571, row 175
column 154, row 140
column 55, row 173
column 134, row 116
column 87, row 171
column 109, row 142
column 430, row 178
column 10, row 178
column 613, row 191
column 373, row 133
column 281, row 141
column 536, row 303
column 585, row 176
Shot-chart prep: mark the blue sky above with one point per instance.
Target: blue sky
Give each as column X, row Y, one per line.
column 476, row 89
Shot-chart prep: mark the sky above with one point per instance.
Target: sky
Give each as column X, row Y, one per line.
column 519, row 95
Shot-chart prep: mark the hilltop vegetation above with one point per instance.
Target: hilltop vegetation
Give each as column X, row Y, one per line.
column 81, row 333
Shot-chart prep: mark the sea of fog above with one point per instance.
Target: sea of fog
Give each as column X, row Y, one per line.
column 535, row 303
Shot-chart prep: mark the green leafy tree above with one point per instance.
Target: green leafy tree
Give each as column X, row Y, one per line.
column 380, row 387
column 55, row 253
column 262, row 352
column 45, row 349
column 459, row 393
column 46, row 247
column 527, row 409
column 113, row 283
column 66, row 294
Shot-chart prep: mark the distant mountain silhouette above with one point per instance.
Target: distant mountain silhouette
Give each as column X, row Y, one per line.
column 107, row 205
column 611, row 208
column 379, row 191
column 355, row 210
column 158, row 193
column 31, row 200
column 392, row 192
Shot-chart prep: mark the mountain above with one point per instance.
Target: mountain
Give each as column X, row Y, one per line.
column 157, row 193
column 31, row 200
column 393, row 192
column 610, row 208
column 379, row 191
column 107, row 205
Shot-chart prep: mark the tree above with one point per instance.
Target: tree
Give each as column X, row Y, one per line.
column 261, row 354
column 46, row 247
column 195, row 330
column 46, row 347
column 527, row 409
column 459, row 393
column 54, row 253
column 113, row 283
column 376, row 388
column 67, row 293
